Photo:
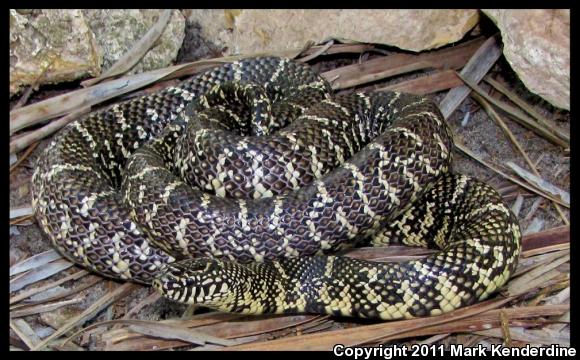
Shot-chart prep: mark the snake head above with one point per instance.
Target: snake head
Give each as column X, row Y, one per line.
column 193, row 281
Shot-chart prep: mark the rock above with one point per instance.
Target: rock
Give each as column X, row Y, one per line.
column 251, row 31
column 60, row 39
column 116, row 31
column 81, row 43
column 537, row 46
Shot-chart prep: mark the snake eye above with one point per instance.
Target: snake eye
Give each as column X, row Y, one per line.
column 190, row 265
column 199, row 265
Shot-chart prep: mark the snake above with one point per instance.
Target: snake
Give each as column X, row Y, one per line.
column 238, row 189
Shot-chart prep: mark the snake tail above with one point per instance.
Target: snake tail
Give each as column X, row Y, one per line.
column 478, row 253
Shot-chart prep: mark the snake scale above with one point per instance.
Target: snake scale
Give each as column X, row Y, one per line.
column 233, row 189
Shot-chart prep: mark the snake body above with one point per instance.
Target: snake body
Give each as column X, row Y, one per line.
column 251, row 173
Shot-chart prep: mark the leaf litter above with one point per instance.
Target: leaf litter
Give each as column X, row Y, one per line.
column 532, row 308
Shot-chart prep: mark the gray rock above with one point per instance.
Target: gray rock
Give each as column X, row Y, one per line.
column 75, row 44
column 56, row 40
column 537, row 46
column 118, row 30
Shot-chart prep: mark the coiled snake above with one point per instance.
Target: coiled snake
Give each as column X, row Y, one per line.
column 250, row 173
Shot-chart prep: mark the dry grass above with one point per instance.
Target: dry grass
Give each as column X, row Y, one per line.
column 532, row 308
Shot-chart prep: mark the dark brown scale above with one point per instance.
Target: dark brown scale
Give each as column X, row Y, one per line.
column 69, row 187
column 264, row 154
column 293, row 233
column 84, row 203
column 341, row 285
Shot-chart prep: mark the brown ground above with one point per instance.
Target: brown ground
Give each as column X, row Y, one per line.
column 480, row 134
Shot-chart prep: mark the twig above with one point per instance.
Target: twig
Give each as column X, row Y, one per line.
column 24, row 98
column 528, row 336
column 153, row 297
column 77, row 99
column 533, row 208
column 24, row 156
column 528, row 263
column 22, row 211
column 438, row 81
column 522, row 104
column 26, row 294
column 36, row 309
column 340, row 49
column 230, row 328
column 39, row 273
column 172, row 332
column 67, row 292
column 386, row 66
column 560, row 297
column 516, row 207
column 498, row 120
column 540, row 183
column 549, row 290
column 538, row 243
column 39, row 134
column 511, row 178
column 307, row 46
column 317, row 53
column 535, row 277
column 374, row 76
column 505, row 329
column 34, row 261
column 370, row 333
column 21, row 219
column 516, row 114
column 24, row 332
column 475, row 69
column 91, row 311
column 200, row 320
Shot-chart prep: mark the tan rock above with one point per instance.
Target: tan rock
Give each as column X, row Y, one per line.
column 537, row 46
column 78, row 43
column 57, row 40
column 251, row 31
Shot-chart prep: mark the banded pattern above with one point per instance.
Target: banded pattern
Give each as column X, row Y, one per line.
column 478, row 236
column 244, row 171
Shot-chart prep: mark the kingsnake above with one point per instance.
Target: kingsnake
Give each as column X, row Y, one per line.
column 250, row 173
